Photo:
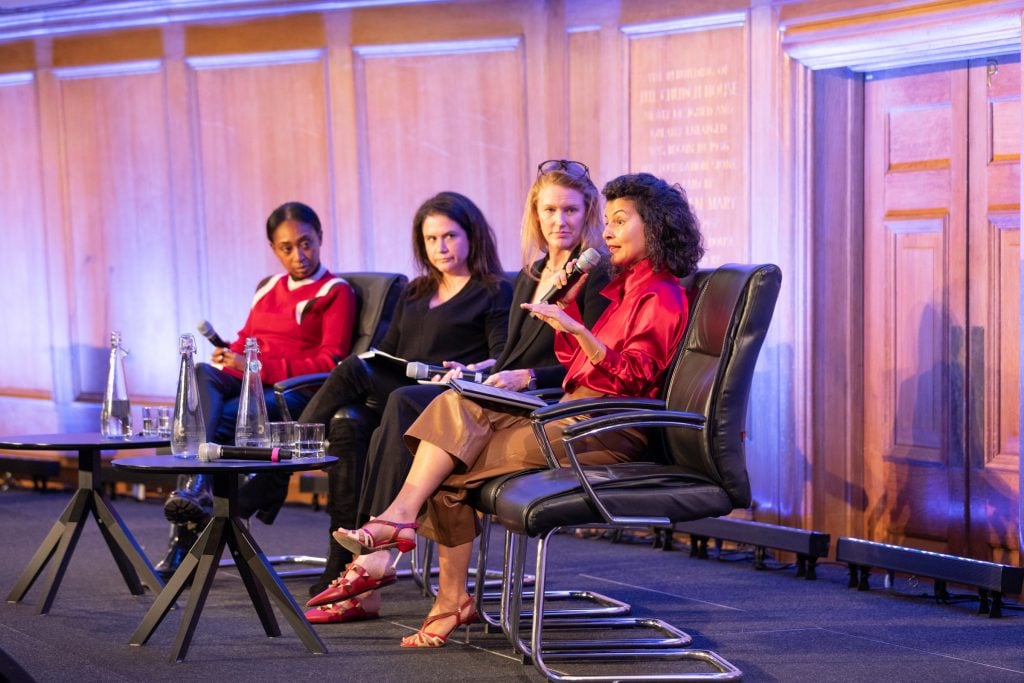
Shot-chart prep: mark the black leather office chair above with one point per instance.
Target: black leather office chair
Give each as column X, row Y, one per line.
column 697, row 468
column 376, row 297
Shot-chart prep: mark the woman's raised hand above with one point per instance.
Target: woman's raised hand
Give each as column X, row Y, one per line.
column 554, row 316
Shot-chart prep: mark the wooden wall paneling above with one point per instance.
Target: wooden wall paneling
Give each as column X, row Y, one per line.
column 64, row 412
column 588, row 102
column 26, row 364
column 688, row 93
column 1020, row 347
column 261, row 124
column 118, row 211
column 993, row 367
column 348, row 236
column 837, row 342
column 777, row 231
column 189, row 257
column 422, row 137
column 546, row 89
column 598, row 62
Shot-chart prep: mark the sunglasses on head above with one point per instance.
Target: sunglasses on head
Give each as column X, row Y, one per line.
column 573, row 168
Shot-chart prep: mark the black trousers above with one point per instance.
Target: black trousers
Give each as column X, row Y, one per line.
column 350, row 403
column 388, row 460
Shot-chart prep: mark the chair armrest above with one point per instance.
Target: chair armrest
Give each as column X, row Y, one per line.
column 313, row 380
column 603, row 404
column 637, row 418
column 605, row 423
column 302, row 386
column 583, row 406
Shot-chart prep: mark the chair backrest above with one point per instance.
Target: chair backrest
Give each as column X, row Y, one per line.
column 714, row 368
column 376, row 298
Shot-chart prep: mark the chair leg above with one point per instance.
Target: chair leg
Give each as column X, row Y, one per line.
column 543, row 651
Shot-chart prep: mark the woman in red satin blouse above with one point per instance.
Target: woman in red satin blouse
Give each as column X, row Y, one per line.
column 653, row 239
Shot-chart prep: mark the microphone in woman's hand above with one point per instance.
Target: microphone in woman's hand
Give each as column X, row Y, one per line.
column 584, row 263
column 206, row 329
column 425, row 371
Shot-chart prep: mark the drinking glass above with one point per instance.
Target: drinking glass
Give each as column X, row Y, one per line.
column 150, row 418
column 163, row 422
column 309, row 440
column 282, row 436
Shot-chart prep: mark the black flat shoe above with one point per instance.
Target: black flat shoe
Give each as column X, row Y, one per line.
column 183, row 537
column 190, row 503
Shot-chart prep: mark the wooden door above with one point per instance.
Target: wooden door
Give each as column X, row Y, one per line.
column 940, row 304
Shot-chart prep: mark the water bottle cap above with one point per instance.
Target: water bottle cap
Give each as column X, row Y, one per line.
column 187, row 343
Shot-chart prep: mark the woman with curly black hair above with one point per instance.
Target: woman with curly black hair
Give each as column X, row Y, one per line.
column 653, row 239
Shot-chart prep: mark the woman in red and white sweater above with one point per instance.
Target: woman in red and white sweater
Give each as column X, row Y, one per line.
column 303, row 320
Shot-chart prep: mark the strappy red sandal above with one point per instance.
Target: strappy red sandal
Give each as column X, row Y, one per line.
column 463, row 617
column 360, row 541
column 335, row 614
column 344, row 588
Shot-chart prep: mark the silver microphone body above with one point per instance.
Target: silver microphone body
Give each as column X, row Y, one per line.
column 208, row 452
column 206, row 329
column 587, row 260
column 426, row 371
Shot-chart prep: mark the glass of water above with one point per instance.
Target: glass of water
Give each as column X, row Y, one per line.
column 282, row 436
column 163, row 421
column 150, row 418
column 309, row 440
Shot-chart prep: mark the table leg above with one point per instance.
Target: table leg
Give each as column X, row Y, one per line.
column 79, row 511
column 257, row 593
column 208, row 552
column 132, row 562
column 200, row 561
column 249, row 559
column 72, row 515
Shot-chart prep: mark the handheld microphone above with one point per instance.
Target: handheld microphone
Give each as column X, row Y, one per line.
column 425, row 371
column 206, row 329
column 584, row 263
column 209, row 452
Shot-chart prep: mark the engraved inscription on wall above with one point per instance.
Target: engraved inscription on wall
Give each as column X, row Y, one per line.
column 688, row 125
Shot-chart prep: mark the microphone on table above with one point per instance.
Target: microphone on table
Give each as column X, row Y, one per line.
column 587, row 260
column 206, row 329
column 425, row 371
column 209, row 452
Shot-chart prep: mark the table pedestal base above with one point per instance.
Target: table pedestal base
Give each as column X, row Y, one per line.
column 60, row 543
column 200, row 565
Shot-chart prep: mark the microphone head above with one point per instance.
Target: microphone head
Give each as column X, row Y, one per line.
column 416, row 370
column 209, row 451
column 205, row 328
column 588, row 259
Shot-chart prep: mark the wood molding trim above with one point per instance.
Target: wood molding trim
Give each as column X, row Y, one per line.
column 901, row 35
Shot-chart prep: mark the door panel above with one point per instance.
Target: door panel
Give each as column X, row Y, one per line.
column 915, row 305
column 993, row 422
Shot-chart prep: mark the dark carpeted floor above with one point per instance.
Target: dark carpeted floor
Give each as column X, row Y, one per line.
column 771, row 625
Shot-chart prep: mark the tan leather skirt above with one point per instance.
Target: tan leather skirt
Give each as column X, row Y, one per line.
column 489, row 443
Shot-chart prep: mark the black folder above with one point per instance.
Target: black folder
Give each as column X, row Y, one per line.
column 503, row 399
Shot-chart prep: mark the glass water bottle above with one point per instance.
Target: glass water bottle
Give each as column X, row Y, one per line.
column 116, row 414
column 251, row 425
column 188, row 429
